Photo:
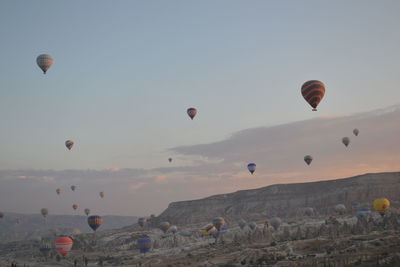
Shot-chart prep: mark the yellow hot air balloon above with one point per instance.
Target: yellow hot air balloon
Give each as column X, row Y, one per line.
column 381, row 205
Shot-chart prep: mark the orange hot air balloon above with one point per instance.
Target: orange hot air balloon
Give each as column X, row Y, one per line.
column 381, row 205
column 64, row 245
column 313, row 91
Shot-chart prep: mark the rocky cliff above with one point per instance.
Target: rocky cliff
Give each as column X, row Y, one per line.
column 287, row 200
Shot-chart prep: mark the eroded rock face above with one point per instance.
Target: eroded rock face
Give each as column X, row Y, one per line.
column 286, row 200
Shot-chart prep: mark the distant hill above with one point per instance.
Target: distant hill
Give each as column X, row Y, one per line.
column 18, row 223
column 287, row 200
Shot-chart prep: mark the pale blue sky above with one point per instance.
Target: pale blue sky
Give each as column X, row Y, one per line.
column 125, row 71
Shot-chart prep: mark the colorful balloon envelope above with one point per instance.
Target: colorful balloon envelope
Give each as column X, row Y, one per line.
column 219, row 222
column 381, row 205
column 192, row 112
column 95, row 221
column 308, row 159
column 69, row 144
column 45, row 246
column 251, row 167
column 64, row 245
column 313, row 91
column 75, row 206
column 144, row 244
column 356, row 132
column 44, row 62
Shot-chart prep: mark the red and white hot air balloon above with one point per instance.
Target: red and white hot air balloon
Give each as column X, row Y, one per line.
column 64, row 245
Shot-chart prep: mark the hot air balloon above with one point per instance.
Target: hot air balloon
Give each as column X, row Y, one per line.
column 58, row 191
column 87, row 212
column 44, row 62
column 44, row 212
column 309, row 211
column 45, row 247
column 276, row 222
column 75, row 206
column 381, row 205
column 212, row 231
column 251, row 167
column 164, row 226
column 192, row 112
column 69, row 144
column 101, row 194
column 144, row 244
column 208, row 229
column 218, row 222
column 95, row 221
column 313, row 92
column 1, row 215
column 64, row 245
column 356, row 132
column 308, row 159
column 363, row 212
column 170, row 160
column 242, row 223
column 142, row 222
column 340, row 208
column 173, row 229
column 73, row 187
column 252, row 225
column 346, row 141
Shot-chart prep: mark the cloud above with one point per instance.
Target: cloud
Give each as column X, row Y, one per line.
column 137, row 186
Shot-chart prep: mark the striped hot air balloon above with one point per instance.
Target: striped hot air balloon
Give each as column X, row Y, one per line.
column 44, row 62
column 192, row 112
column 313, row 91
column 144, row 244
column 64, row 245
column 95, row 221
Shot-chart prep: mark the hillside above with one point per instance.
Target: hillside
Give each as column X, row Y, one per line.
column 286, row 200
column 19, row 224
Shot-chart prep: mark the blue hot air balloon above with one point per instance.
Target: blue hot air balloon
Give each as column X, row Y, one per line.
column 251, row 167
column 95, row 221
column 144, row 244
